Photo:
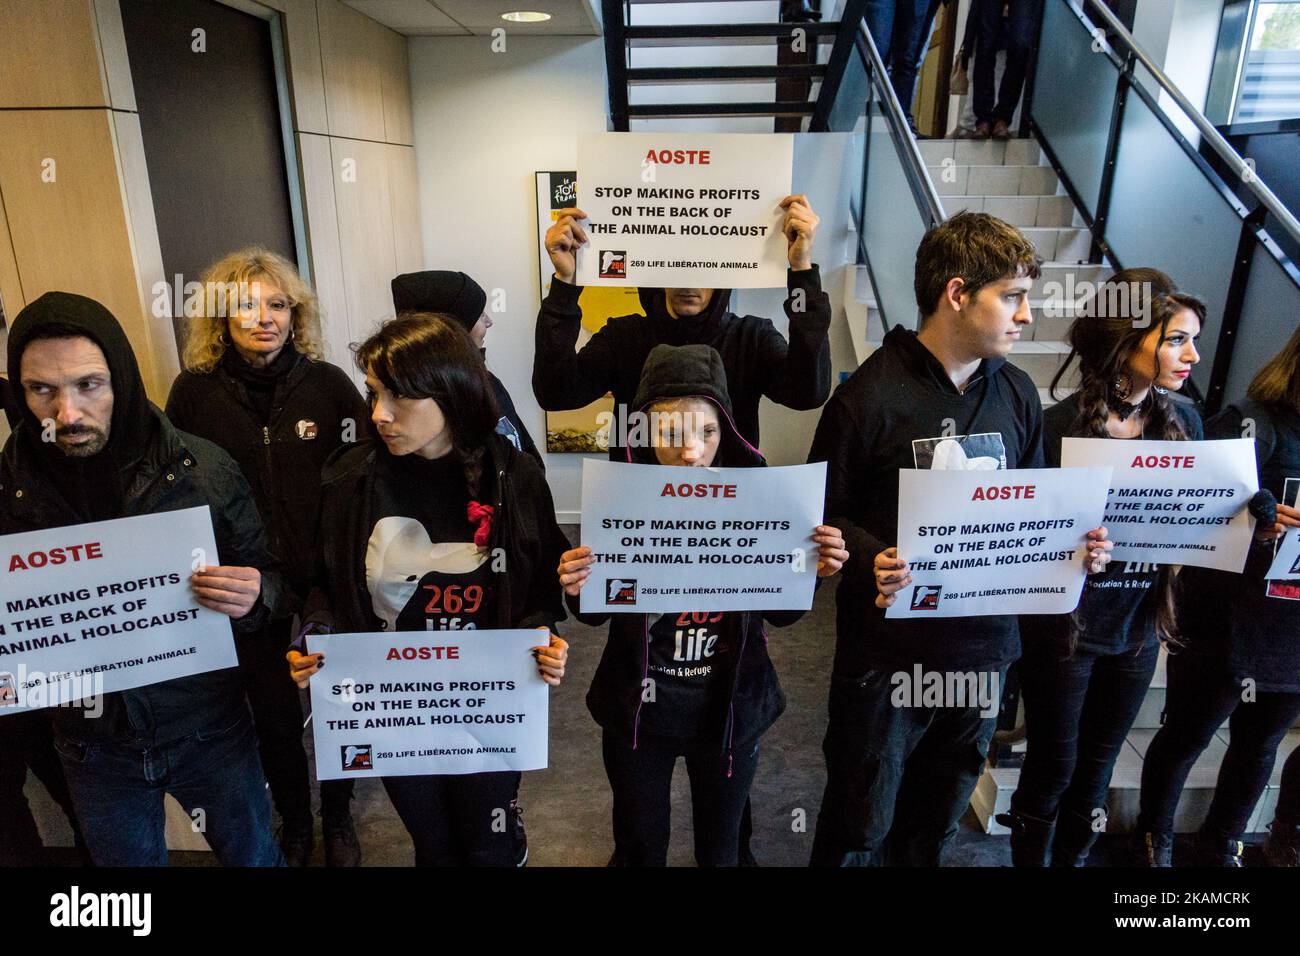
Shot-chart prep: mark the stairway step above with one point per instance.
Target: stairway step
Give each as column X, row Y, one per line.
column 993, row 793
column 726, row 34
column 658, row 75
column 678, row 110
column 956, row 179
column 1020, row 211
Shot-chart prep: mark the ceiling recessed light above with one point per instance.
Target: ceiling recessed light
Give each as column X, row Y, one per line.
column 526, row 16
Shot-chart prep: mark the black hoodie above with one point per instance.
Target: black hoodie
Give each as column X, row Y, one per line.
column 754, row 699
column 900, row 395
column 757, row 359
column 148, row 467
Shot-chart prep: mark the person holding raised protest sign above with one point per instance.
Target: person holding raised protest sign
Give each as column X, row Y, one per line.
column 408, row 542
column 758, row 361
column 1242, row 657
column 256, row 384
column 88, row 447
column 1083, row 676
column 693, row 685
column 899, row 769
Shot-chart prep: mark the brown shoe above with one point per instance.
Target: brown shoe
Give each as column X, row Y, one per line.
column 982, row 131
column 1001, row 131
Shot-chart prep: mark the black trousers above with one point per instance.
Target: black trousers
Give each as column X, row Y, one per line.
column 1079, row 709
column 641, row 780
column 1288, row 798
column 458, row 820
column 277, row 716
column 898, row 778
column 27, row 742
column 1016, row 36
column 1200, row 697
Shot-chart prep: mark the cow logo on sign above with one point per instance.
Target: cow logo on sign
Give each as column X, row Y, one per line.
column 613, row 264
column 925, row 597
column 620, row 591
column 357, row 757
column 307, row 431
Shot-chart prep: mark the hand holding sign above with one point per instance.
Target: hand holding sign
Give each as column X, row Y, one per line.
column 574, row 569
column 1099, row 550
column 563, row 240
column 892, row 575
column 1287, row 517
column 551, row 658
column 831, row 553
column 231, row 590
column 799, row 227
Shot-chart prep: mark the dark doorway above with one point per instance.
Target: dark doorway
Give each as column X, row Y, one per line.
column 210, row 118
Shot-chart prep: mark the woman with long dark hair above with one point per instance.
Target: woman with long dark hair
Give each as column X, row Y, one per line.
column 439, row 524
column 1242, row 659
column 1084, row 675
column 257, row 384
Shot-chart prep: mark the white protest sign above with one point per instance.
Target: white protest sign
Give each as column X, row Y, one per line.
column 684, row 210
column 94, row 608
column 1286, row 562
column 1175, row 502
column 670, row 539
column 428, row 702
column 995, row 542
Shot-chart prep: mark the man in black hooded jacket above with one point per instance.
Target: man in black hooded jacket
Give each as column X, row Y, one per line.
column 112, row 455
column 757, row 359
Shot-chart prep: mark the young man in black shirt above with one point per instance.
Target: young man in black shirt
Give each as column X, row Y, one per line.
column 899, row 777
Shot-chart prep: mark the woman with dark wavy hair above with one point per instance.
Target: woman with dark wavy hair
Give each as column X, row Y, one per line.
column 440, row 524
column 1242, row 659
column 1084, row 675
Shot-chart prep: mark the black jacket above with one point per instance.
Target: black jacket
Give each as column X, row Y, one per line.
column 523, row 526
column 148, row 467
column 755, row 699
column 283, row 466
column 901, row 395
column 758, row 360
column 1230, row 617
column 179, row 471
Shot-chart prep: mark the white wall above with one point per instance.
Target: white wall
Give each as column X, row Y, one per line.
column 484, row 123
column 1180, row 36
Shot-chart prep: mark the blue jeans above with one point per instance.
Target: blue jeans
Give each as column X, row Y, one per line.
column 118, row 794
column 898, row 778
column 900, row 29
column 1079, row 709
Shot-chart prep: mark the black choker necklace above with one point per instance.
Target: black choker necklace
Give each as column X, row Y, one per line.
column 1115, row 402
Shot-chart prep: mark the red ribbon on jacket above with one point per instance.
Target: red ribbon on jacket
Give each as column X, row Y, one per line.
column 482, row 515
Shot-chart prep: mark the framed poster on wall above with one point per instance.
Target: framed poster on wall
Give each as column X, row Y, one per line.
column 577, row 429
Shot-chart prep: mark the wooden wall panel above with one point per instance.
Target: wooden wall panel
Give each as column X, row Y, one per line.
column 306, row 76
column 323, row 239
column 404, row 191
column 49, row 53
column 396, row 82
column 72, row 234
column 365, row 220
column 351, row 47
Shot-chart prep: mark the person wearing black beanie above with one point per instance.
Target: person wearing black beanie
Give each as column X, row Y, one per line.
column 457, row 295
column 116, row 455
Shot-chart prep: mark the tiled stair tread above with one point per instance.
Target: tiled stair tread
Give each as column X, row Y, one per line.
column 993, row 794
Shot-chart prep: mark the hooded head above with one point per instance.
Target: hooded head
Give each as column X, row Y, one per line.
column 654, row 304
column 61, row 328
column 673, row 380
column 446, row 293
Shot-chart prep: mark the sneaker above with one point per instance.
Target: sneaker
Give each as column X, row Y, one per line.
column 1219, row 852
column 521, row 838
column 341, row 846
column 1154, row 849
column 297, row 839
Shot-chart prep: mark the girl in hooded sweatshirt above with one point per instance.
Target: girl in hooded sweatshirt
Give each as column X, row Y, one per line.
column 411, row 529
column 1084, row 675
column 713, row 707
